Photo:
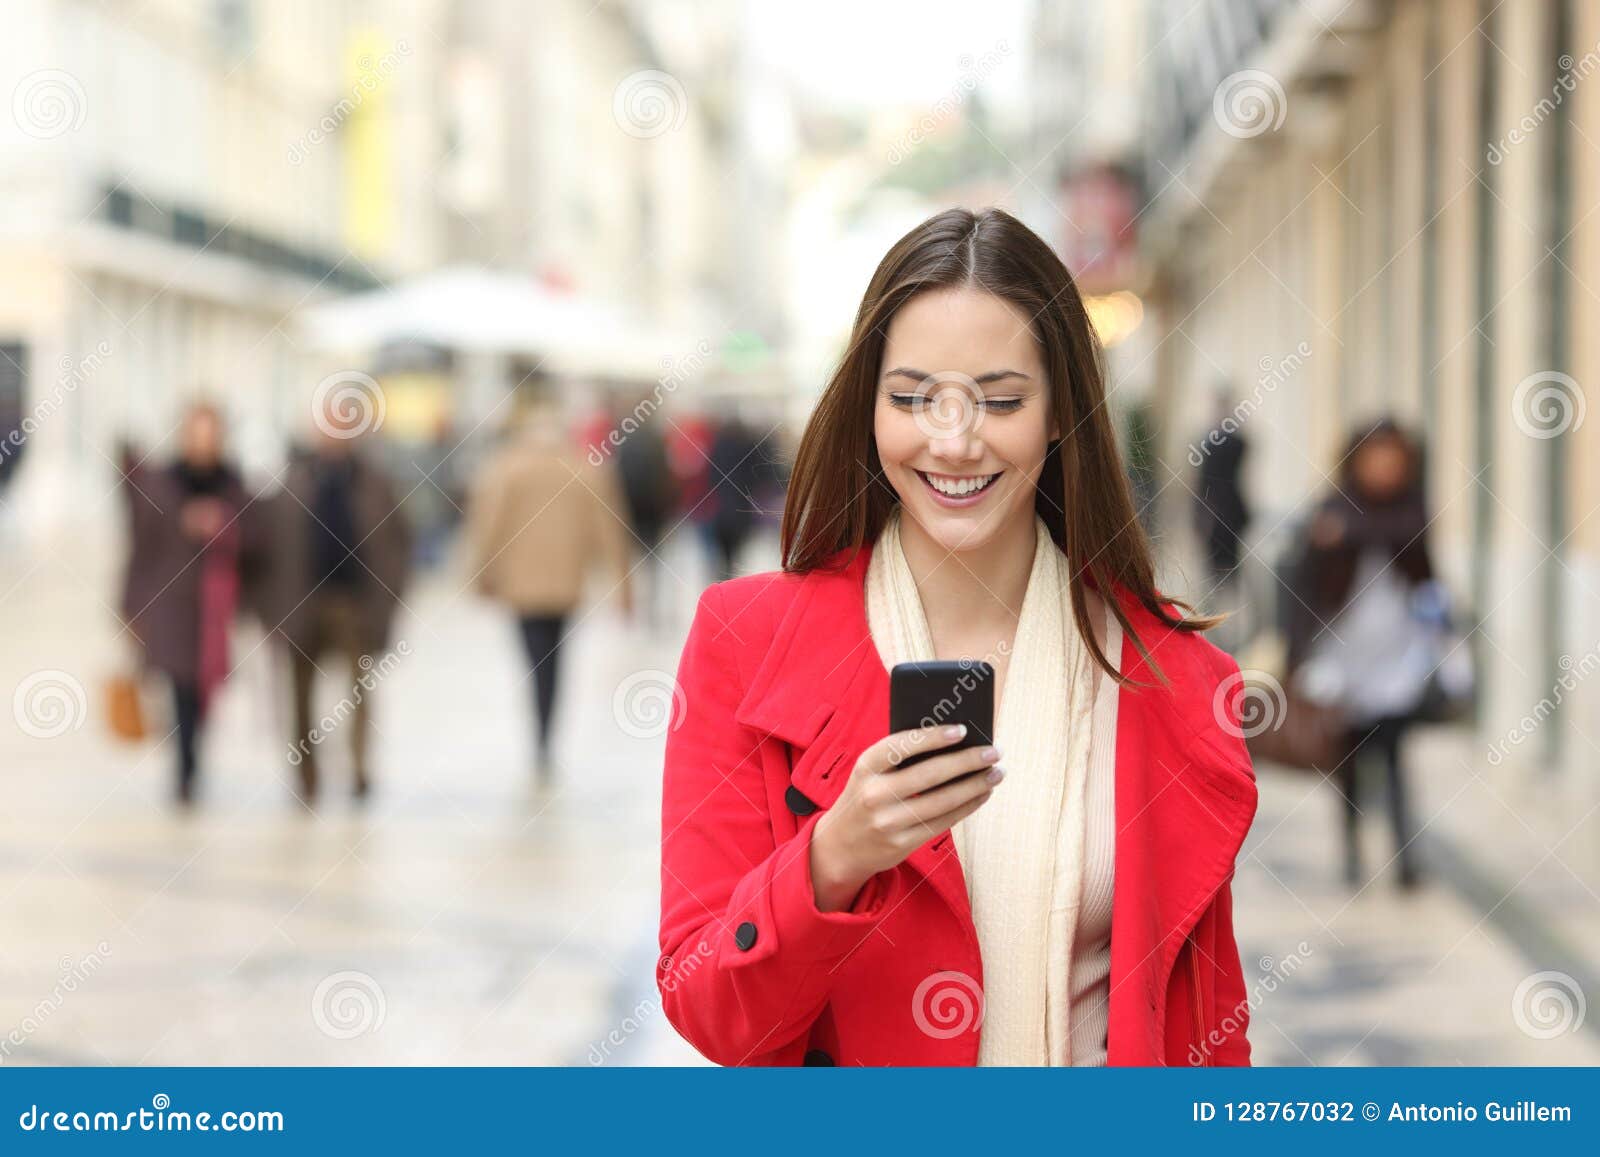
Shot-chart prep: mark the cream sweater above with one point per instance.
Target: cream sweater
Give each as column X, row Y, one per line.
column 1038, row 857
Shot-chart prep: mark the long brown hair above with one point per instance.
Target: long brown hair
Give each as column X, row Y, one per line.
column 839, row 498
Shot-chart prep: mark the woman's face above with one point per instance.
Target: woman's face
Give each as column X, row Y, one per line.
column 1382, row 468
column 963, row 407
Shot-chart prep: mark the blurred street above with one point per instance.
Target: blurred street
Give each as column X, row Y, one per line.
column 455, row 345
column 492, row 923
column 465, row 917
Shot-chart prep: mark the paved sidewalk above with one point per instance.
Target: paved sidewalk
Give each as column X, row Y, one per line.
column 1430, row 977
column 464, row 917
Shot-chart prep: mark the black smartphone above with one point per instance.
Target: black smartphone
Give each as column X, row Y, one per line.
column 940, row 692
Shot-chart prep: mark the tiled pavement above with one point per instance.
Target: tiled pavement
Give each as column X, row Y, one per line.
column 464, row 917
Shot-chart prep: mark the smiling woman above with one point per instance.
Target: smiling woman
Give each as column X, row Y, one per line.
column 957, row 495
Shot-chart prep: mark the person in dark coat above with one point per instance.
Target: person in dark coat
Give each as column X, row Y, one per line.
column 180, row 588
column 340, row 554
column 1355, row 638
column 650, row 490
column 1221, row 514
column 740, row 475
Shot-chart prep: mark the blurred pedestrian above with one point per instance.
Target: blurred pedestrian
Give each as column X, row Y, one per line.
column 1221, row 514
column 539, row 517
column 739, row 472
column 340, row 552
column 1355, row 639
column 650, row 494
column 181, row 586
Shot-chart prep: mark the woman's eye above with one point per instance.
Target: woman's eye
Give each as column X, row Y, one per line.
column 998, row 405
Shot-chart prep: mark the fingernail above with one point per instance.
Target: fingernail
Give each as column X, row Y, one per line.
column 955, row 731
column 995, row 774
column 990, row 754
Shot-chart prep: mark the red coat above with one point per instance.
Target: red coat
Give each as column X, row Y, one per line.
column 781, row 690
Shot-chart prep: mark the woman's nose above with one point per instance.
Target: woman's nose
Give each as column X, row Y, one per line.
column 957, row 446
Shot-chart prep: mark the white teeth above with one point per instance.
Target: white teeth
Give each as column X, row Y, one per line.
column 958, row 489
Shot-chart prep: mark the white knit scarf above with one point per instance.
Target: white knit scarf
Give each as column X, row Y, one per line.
column 1022, row 852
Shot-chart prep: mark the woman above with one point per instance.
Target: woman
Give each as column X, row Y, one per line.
column 957, row 494
column 1356, row 640
column 182, row 581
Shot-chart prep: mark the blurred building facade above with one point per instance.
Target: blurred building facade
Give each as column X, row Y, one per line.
column 1387, row 207
column 180, row 180
column 187, row 178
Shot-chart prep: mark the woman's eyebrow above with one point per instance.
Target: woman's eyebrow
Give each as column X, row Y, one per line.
column 981, row 379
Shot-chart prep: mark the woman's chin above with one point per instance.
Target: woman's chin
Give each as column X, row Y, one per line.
column 957, row 531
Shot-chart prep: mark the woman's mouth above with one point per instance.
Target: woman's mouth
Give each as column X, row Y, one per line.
column 958, row 489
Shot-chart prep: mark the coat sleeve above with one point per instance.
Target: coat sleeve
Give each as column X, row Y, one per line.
column 1233, row 1004
column 747, row 958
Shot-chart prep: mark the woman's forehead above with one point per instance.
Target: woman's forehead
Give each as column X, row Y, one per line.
column 960, row 329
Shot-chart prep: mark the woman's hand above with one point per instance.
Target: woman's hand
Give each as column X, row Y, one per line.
column 886, row 812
